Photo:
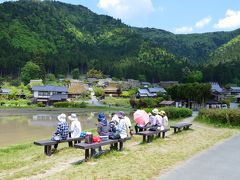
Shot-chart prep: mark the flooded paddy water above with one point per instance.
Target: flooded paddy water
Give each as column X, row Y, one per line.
column 26, row 125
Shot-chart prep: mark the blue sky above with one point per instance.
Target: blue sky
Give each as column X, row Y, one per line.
column 177, row 16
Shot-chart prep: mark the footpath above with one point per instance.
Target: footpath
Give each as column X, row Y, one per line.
column 221, row 162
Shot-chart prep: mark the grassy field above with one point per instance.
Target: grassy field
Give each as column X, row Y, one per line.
column 137, row 161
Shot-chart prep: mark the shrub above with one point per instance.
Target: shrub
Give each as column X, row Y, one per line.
column 69, row 105
column 174, row 112
column 220, row 116
column 145, row 102
column 40, row 104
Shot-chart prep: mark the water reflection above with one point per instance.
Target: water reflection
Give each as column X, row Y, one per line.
column 15, row 128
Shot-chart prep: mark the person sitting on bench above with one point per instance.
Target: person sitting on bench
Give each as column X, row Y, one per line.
column 75, row 126
column 164, row 119
column 123, row 128
column 62, row 130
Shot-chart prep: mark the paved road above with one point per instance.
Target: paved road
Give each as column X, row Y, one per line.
column 221, row 162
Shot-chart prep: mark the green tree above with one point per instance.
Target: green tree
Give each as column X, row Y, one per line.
column 194, row 76
column 30, row 71
column 93, row 73
column 75, row 73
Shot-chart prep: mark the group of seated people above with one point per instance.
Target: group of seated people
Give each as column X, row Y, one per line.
column 157, row 121
column 118, row 127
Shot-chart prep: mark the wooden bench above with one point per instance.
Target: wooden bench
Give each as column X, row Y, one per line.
column 177, row 127
column 90, row 148
column 148, row 135
column 49, row 143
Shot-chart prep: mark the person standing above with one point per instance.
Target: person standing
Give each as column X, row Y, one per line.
column 75, row 126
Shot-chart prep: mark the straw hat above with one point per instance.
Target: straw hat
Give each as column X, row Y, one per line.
column 162, row 113
column 73, row 117
column 62, row 117
column 155, row 111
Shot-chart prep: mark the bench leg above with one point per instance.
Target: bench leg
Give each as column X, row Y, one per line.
column 159, row 134
column 55, row 146
column 144, row 138
column 47, row 150
column 163, row 134
column 175, row 130
column 120, row 146
column 87, row 157
column 187, row 127
column 148, row 139
column 70, row 144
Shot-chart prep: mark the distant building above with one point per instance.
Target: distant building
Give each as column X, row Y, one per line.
column 112, row 91
column 104, row 82
column 235, row 90
column 4, row 91
column 167, row 103
column 167, row 84
column 50, row 94
column 150, row 92
column 217, row 92
column 134, row 83
column 145, row 84
column 76, row 88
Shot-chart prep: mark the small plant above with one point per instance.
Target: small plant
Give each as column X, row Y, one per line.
column 40, row 104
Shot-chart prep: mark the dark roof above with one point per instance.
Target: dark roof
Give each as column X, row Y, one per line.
column 58, row 97
column 167, row 102
column 50, row 88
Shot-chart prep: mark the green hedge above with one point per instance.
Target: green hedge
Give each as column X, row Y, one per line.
column 145, row 102
column 174, row 112
column 220, row 116
column 69, row 105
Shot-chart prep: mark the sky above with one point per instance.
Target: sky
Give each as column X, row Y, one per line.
column 177, row 16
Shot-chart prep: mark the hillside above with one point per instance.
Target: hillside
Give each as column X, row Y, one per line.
column 60, row 37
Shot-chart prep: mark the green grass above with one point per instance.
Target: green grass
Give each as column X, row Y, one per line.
column 120, row 102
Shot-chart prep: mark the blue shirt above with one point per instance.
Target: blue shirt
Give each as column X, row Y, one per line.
column 62, row 129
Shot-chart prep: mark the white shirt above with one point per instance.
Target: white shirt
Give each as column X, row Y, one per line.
column 165, row 121
column 122, row 128
column 128, row 122
column 76, row 128
column 159, row 120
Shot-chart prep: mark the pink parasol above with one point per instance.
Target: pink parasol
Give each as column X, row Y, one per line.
column 141, row 117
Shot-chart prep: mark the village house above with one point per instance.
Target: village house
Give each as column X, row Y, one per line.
column 104, row 82
column 112, row 91
column 217, row 92
column 49, row 94
column 76, row 88
column 150, row 92
column 234, row 90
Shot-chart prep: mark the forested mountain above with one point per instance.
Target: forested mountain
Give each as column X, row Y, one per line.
column 60, row 37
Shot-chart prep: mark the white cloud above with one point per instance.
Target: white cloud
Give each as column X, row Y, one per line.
column 126, row 9
column 184, row 30
column 231, row 20
column 203, row 22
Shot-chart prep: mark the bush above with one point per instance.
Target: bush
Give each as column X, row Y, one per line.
column 69, row 105
column 174, row 112
column 145, row 102
column 220, row 116
column 40, row 104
